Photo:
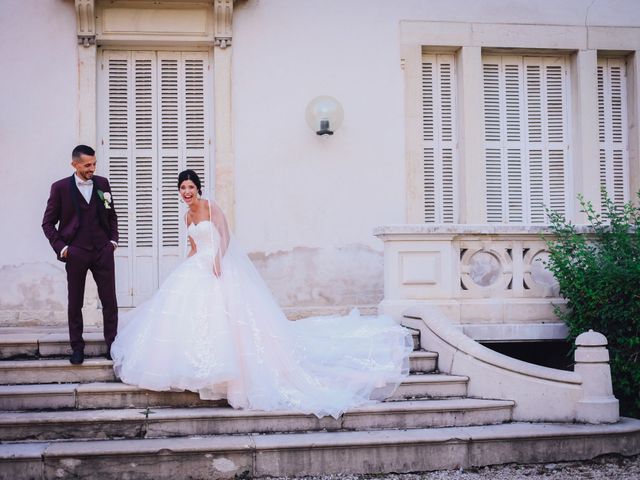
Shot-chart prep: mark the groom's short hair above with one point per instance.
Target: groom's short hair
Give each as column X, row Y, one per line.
column 82, row 150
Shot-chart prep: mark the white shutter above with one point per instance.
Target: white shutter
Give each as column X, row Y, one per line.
column 184, row 127
column 613, row 128
column 440, row 156
column 493, row 140
column 154, row 123
column 170, row 148
column 555, row 143
column 143, row 184
column 526, row 147
column 116, row 81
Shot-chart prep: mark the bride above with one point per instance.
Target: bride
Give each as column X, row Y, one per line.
column 214, row 328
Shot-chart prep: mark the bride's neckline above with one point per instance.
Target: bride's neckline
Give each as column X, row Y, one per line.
column 196, row 224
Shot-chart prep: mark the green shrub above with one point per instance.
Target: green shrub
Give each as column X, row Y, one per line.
column 598, row 270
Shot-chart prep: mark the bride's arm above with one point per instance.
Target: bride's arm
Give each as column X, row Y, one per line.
column 192, row 246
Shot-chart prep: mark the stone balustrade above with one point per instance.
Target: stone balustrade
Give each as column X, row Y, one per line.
column 489, row 279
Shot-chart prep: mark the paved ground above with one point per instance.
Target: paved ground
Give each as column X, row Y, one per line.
column 609, row 467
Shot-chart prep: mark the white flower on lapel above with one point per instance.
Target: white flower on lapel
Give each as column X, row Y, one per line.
column 106, row 199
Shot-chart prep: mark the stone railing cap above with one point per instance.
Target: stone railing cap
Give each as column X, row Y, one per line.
column 461, row 229
column 591, row 339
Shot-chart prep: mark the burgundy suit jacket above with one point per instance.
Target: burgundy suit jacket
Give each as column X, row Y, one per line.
column 63, row 210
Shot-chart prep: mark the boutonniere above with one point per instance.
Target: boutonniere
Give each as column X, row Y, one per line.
column 105, row 197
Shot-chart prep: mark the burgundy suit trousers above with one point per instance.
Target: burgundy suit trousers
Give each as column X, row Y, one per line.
column 101, row 264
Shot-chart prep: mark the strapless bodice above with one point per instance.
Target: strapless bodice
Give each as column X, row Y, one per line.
column 205, row 236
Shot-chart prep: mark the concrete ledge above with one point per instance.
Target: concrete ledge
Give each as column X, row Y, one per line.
column 160, row 423
column 320, row 453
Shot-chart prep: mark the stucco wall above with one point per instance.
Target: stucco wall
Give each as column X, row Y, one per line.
column 38, row 128
column 306, row 205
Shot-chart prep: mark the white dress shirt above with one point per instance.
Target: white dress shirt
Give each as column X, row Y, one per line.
column 86, row 189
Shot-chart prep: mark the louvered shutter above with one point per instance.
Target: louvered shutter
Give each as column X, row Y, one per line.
column 143, row 184
column 526, row 146
column 116, row 87
column 184, row 123
column 155, row 118
column 613, row 128
column 439, row 132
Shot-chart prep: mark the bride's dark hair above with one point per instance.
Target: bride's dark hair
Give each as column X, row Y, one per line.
column 190, row 175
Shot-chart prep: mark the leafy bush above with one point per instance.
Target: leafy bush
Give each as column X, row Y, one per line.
column 598, row 270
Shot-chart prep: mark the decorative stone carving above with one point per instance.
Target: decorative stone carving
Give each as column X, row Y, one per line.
column 537, row 277
column 484, row 266
column 223, row 14
column 86, row 22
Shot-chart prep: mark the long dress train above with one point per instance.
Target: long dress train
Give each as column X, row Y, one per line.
column 226, row 337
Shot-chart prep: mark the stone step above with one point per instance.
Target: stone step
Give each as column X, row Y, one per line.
column 431, row 385
column 99, row 395
column 14, row 372
column 175, row 422
column 55, row 343
column 317, row 453
column 20, row 372
column 422, row 361
column 52, row 343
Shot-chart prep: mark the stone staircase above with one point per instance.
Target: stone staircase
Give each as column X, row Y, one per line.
column 58, row 420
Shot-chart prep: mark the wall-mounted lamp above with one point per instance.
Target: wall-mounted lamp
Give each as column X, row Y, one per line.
column 324, row 115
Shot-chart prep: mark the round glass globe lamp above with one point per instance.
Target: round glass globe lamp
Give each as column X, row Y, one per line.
column 324, row 115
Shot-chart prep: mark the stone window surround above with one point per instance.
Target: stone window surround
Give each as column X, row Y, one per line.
column 469, row 41
column 178, row 24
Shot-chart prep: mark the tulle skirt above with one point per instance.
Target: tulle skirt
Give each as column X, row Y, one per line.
column 227, row 338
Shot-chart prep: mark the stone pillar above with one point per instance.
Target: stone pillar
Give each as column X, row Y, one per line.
column 412, row 66
column 223, row 134
column 87, row 122
column 598, row 405
column 633, row 93
column 87, row 52
column 584, row 135
column 472, row 191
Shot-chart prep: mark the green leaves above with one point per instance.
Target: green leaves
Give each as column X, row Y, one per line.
column 599, row 275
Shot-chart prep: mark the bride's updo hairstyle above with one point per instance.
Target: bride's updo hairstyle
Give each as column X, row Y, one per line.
column 190, row 175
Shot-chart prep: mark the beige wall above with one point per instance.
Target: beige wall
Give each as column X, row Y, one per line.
column 305, row 205
column 38, row 128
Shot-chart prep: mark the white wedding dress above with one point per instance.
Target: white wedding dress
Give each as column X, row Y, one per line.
column 226, row 337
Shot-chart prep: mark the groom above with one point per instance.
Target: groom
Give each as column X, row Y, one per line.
column 85, row 238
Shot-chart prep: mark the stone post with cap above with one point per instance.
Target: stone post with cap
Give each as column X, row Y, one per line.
column 598, row 405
